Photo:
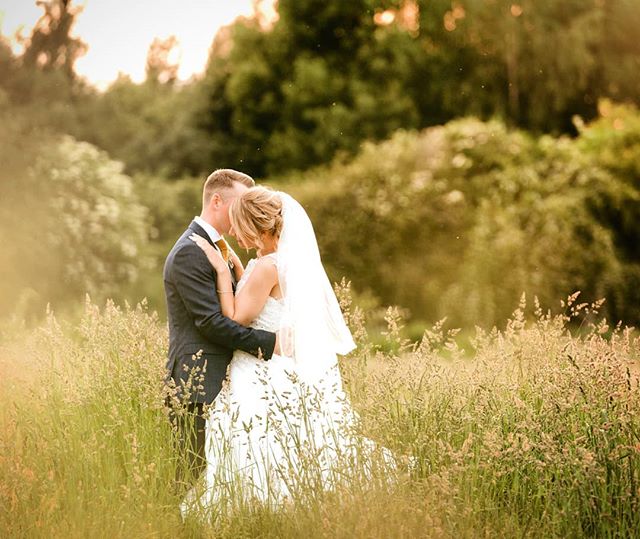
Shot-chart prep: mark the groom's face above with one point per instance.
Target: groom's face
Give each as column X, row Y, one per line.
column 227, row 199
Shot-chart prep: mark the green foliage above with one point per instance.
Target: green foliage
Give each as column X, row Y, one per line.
column 327, row 77
column 41, row 85
column 147, row 126
column 460, row 220
column 317, row 83
column 51, row 46
column 614, row 141
column 502, row 52
column 171, row 206
column 35, row 98
column 71, row 224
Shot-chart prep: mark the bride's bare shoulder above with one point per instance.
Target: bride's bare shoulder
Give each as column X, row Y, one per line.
column 265, row 268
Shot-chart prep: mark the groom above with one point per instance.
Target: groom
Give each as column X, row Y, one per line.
column 201, row 339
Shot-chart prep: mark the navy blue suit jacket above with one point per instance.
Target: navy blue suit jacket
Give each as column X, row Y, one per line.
column 197, row 325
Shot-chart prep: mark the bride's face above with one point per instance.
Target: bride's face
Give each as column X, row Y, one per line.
column 245, row 238
column 238, row 237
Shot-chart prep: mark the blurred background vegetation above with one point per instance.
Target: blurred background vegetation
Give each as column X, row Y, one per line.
column 451, row 154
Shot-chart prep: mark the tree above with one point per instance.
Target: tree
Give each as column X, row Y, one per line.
column 619, row 52
column 458, row 220
column 51, row 46
column 41, row 84
column 329, row 75
column 70, row 223
column 150, row 127
column 159, row 67
column 316, row 83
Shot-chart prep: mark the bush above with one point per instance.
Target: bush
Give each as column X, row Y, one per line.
column 614, row 142
column 71, row 224
column 459, row 220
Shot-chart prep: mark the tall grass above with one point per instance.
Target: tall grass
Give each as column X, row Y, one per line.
column 533, row 431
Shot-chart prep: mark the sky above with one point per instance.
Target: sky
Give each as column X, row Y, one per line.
column 119, row 32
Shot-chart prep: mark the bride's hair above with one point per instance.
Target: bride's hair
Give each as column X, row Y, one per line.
column 254, row 213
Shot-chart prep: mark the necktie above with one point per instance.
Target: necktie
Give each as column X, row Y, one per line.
column 224, row 249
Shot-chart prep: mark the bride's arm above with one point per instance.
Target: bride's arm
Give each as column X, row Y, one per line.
column 255, row 292
column 246, row 305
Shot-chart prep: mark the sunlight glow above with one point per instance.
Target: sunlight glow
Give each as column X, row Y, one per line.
column 119, row 32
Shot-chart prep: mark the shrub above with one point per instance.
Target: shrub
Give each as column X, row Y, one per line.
column 459, row 220
column 71, row 224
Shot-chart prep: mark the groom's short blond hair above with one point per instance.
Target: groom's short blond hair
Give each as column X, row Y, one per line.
column 222, row 180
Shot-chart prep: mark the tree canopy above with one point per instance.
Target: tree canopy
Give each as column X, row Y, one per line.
column 328, row 75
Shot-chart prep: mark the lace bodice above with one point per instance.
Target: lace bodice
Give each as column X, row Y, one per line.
column 269, row 318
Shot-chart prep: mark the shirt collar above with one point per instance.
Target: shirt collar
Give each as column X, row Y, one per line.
column 211, row 232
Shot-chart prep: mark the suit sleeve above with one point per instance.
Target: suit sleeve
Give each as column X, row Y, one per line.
column 195, row 281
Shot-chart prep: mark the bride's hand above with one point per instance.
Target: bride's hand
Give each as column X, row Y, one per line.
column 213, row 254
column 234, row 258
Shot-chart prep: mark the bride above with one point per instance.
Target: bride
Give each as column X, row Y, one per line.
column 280, row 427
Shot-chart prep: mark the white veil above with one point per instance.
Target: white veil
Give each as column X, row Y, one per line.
column 313, row 329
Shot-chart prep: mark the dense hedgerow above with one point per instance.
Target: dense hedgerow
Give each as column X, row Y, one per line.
column 70, row 223
column 531, row 431
column 459, row 220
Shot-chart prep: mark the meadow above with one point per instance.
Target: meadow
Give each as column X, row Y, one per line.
column 531, row 430
column 451, row 155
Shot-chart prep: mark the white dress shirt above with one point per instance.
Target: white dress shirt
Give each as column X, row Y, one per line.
column 211, row 232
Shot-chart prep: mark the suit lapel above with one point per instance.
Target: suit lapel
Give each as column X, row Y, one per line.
column 195, row 227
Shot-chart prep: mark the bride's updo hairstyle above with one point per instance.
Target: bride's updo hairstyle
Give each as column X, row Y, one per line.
column 256, row 212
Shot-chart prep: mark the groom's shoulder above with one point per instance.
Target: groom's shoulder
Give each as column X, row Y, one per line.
column 182, row 247
column 184, row 254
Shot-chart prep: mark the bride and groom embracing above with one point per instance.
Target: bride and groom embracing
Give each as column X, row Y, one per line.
column 252, row 352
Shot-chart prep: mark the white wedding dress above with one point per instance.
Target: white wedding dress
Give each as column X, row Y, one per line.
column 271, row 436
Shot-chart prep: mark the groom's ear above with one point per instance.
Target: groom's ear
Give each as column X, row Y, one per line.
column 216, row 201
